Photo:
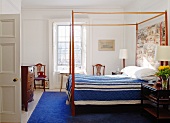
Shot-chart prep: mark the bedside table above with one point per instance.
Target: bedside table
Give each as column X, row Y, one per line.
column 159, row 100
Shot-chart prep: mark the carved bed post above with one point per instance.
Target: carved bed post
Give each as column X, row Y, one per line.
column 70, row 53
column 136, row 40
column 166, row 27
column 73, row 76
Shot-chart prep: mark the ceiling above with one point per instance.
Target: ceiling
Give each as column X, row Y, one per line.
column 76, row 3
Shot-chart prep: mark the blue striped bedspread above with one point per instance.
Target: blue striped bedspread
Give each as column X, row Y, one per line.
column 109, row 89
column 108, row 81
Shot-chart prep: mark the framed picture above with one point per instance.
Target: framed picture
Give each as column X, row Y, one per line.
column 106, row 45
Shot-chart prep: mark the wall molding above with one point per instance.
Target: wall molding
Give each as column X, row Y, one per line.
column 72, row 8
column 35, row 19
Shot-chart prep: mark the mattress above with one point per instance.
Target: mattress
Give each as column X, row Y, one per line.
column 109, row 89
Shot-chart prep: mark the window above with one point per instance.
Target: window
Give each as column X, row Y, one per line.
column 63, row 42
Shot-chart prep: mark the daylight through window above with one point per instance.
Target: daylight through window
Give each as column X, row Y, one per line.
column 63, row 41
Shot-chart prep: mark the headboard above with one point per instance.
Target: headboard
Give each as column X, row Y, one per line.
column 147, row 40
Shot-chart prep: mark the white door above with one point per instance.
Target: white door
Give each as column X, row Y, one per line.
column 10, row 91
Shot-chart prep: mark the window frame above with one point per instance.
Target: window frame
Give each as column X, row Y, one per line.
column 66, row 64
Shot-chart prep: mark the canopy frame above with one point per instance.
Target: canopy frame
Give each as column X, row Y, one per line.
column 72, row 62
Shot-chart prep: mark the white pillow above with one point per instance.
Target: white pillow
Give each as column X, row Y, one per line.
column 145, row 74
column 139, row 72
column 130, row 70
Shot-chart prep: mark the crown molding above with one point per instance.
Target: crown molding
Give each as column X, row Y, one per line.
column 71, row 8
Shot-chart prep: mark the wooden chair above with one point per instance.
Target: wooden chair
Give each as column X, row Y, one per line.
column 40, row 74
column 98, row 69
column 40, row 70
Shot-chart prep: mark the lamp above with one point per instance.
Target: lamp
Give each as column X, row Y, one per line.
column 123, row 55
column 162, row 53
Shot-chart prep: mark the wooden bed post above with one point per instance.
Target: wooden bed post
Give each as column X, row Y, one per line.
column 136, row 40
column 73, row 76
column 166, row 27
column 166, row 32
column 70, row 53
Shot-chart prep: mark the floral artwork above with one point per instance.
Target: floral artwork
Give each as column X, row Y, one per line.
column 147, row 40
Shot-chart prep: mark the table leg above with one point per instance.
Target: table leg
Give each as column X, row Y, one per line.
column 61, row 85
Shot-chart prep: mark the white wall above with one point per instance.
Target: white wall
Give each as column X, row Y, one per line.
column 130, row 35
column 35, row 37
column 10, row 6
column 108, row 58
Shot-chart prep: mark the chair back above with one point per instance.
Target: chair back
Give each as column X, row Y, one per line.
column 40, row 69
column 98, row 69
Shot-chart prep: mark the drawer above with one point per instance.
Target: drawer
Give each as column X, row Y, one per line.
column 29, row 85
column 31, row 77
column 29, row 95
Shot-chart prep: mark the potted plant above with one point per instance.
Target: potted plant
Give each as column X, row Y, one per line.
column 164, row 73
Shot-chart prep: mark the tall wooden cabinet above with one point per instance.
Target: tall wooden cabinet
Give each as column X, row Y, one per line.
column 27, row 80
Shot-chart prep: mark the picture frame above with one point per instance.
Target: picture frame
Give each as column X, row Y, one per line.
column 106, row 45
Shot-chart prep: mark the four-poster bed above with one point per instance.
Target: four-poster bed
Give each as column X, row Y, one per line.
column 75, row 81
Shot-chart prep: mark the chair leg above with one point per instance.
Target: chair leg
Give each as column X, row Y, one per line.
column 61, row 84
column 43, row 81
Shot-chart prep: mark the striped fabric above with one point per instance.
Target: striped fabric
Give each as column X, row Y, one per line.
column 109, row 88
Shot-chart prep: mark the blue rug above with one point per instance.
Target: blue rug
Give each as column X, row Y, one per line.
column 52, row 108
